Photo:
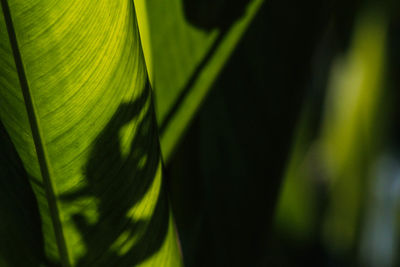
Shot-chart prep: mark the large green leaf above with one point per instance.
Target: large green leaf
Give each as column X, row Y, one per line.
column 186, row 44
column 77, row 107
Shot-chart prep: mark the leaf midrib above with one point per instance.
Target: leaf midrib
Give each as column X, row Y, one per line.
column 41, row 152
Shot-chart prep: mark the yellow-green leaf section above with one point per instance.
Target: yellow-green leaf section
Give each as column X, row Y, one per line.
column 76, row 103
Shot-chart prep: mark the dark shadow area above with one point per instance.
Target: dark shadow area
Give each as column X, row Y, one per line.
column 236, row 151
column 206, row 15
column 214, row 14
column 21, row 239
column 394, row 67
column 118, row 183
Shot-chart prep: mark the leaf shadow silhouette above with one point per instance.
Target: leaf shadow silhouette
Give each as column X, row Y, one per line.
column 119, row 183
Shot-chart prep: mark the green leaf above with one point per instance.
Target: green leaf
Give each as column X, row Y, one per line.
column 76, row 104
column 186, row 44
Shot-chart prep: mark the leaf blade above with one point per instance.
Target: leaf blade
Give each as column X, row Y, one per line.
column 88, row 83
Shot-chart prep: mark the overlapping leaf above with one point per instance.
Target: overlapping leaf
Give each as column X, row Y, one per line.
column 186, row 48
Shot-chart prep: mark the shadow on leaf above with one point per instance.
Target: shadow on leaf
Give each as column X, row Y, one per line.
column 118, row 183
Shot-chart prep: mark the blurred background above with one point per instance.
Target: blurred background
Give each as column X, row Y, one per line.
column 279, row 129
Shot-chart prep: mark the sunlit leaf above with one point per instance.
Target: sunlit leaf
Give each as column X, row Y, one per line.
column 76, row 104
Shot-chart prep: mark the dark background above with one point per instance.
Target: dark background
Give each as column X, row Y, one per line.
column 226, row 176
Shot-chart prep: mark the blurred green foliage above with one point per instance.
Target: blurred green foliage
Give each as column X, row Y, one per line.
column 278, row 166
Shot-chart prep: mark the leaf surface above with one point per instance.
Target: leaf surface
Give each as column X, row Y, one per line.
column 77, row 106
